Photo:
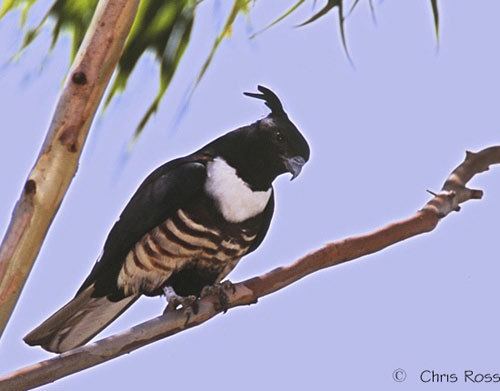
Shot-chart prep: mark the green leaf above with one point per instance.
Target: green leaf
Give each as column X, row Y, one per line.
column 70, row 15
column 163, row 27
column 276, row 21
column 331, row 4
column 9, row 5
column 26, row 10
column 322, row 12
column 435, row 13
column 354, row 4
column 239, row 6
column 372, row 9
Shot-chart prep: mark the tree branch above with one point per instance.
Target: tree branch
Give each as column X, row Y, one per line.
column 454, row 192
column 57, row 162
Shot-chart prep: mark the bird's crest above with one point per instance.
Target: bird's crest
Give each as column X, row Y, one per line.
column 271, row 99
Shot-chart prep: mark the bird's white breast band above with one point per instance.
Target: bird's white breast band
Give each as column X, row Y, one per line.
column 236, row 200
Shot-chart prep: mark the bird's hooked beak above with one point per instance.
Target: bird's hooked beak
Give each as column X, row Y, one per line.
column 294, row 165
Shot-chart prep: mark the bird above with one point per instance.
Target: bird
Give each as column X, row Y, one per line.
column 185, row 228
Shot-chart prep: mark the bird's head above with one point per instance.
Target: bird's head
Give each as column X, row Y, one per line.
column 267, row 148
column 286, row 147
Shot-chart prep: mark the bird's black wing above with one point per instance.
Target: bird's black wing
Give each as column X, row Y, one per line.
column 168, row 188
column 267, row 216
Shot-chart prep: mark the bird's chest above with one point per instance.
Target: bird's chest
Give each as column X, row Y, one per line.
column 220, row 241
column 195, row 242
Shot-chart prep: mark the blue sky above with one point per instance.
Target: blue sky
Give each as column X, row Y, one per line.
column 380, row 133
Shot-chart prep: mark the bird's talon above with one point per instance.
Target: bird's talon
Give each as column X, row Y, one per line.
column 228, row 285
column 174, row 301
column 223, row 302
column 188, row 313
column 218, row 290
column 195, row 307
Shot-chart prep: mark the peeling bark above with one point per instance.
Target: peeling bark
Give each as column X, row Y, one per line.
column 453, row 193
column 57, row 162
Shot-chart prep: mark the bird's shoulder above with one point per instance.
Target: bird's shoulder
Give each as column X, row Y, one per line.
column 191, row 168
column 165, row 190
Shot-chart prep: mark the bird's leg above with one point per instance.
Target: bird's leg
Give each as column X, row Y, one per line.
column 174, row 300
column 219, row 290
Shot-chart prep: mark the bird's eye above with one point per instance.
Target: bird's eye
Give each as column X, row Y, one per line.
column 280, row 137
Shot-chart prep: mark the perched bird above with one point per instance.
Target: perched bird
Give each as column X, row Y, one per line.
column 185, row 228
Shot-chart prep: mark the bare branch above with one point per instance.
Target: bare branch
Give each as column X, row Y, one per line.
column 57, row 162
column 453, row 193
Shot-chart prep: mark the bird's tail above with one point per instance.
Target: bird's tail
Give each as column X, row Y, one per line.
column 78, row 321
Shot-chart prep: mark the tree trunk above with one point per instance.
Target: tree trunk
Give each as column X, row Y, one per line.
column 57, row 162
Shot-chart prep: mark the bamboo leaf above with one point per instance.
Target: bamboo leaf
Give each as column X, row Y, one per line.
column 322, row 12
column 73, row 16
column 162, row 27
column 239, row 6
column 370, row 4
column 435, row 13
column 276, row 21
column 331, row 4
column 168, row 49
column 372, row 11
column 354, row 4
column 26, row 10
column 9, row 5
